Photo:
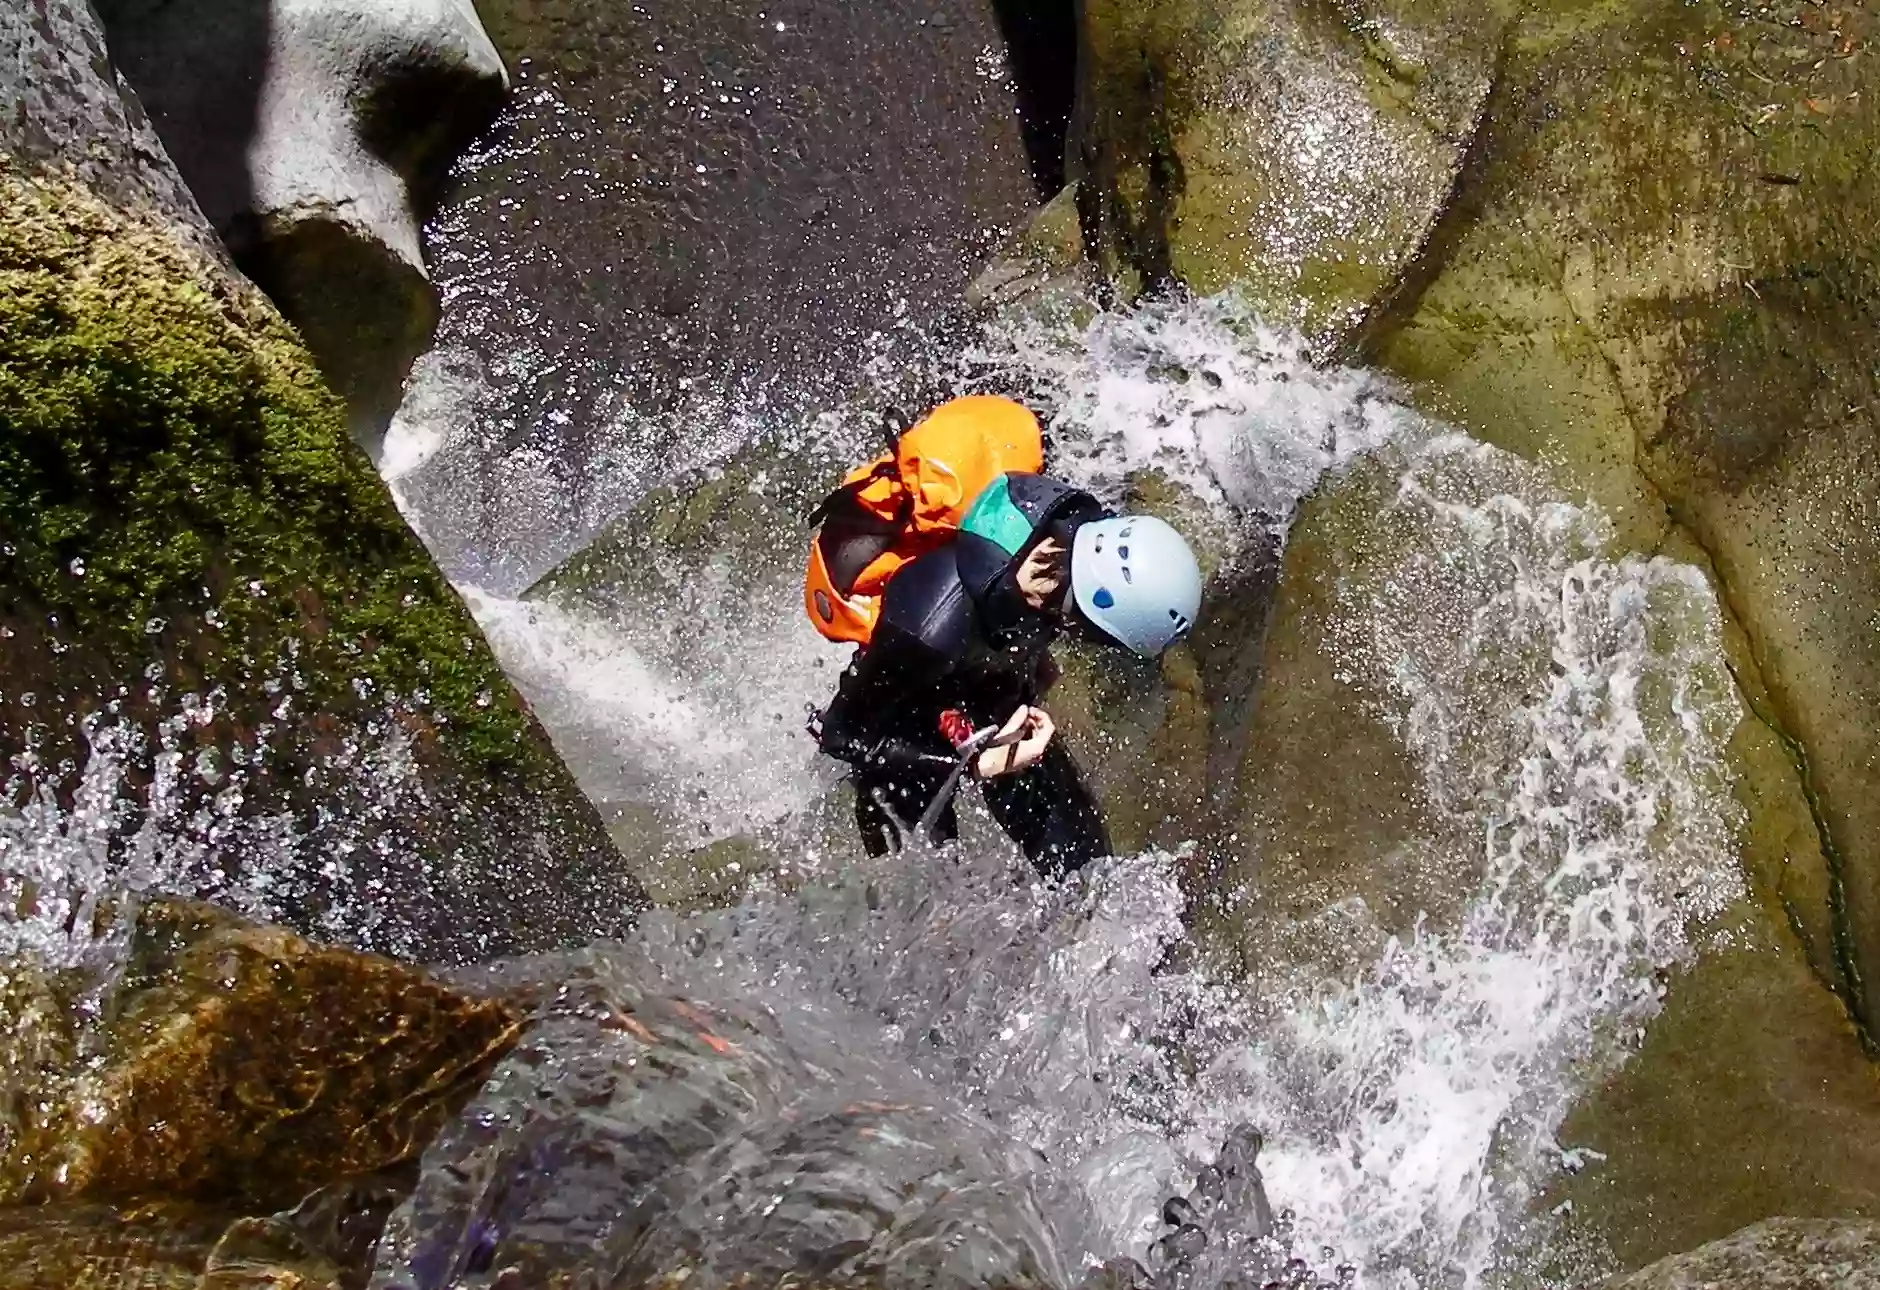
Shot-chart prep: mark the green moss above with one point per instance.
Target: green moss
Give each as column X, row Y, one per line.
column 168, row 454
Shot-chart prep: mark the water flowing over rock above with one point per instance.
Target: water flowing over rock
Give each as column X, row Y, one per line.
column 1780, row 1254
column 699, row 225
column 1639, row 323
column 209, row 596
column 240, row 1108
column 1704, row 296
column 1638, row 252
column 53, row 1247
column 314, row 134
column 1488, row 848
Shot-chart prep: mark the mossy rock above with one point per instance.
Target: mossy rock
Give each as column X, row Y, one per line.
column 183, row 504
column 245, row 1068
column 1661, row 278
column 1300, row 151
column 1328, row 805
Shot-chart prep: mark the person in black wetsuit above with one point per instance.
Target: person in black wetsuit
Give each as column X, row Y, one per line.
column 968, row 628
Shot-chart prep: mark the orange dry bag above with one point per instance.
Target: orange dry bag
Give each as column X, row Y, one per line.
column 906, row 502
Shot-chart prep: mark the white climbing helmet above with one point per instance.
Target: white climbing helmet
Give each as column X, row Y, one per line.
column 1135, row 579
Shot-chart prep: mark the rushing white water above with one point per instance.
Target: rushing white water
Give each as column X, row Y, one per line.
column 706, row 730
column 1565, row 713
column 1573, row 711
column 1202, row 390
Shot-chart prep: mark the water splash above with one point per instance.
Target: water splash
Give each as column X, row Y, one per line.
column 1566, row 712
column 694, row 710
column 1203, row 390
column 1573, row 710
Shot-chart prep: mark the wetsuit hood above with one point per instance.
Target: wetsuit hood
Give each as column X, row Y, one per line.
column 1013, row 515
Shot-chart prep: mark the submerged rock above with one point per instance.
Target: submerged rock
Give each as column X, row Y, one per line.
column 161, row 1247
column 246, row 1068
column 314, row 134
column 1779, row 1254
column 186, row 516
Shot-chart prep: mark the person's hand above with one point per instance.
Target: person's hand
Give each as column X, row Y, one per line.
column 1033, row 728
column 1041, row 574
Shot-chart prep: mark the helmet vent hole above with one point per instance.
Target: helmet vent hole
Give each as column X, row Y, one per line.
column 1126, row 577
column 1122, row 553
column 1102, row 598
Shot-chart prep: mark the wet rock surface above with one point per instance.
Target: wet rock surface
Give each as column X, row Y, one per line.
column 1779, row 1254
column 314, row 135
column 245, row 1068
column 189, row 527
column 66, row 106
column 1300, row 151
column 706, row 220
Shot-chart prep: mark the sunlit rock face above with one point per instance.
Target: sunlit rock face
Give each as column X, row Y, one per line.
column 313, row 133
column 1300, row 151
column 1779, row 1254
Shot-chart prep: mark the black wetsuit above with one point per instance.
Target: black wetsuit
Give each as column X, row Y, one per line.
column 954, row 632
